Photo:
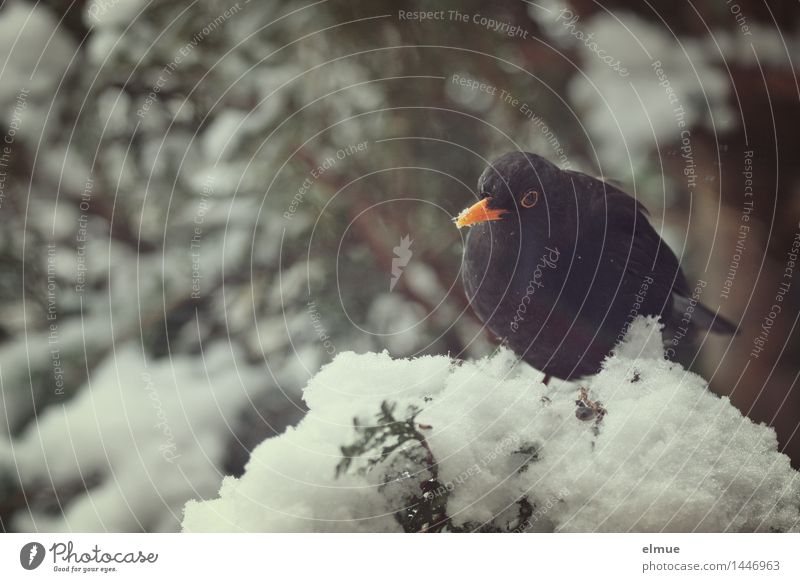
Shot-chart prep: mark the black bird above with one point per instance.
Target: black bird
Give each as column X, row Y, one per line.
column 558, row 264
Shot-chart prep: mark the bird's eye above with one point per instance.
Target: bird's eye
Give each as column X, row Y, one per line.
column 530, row 199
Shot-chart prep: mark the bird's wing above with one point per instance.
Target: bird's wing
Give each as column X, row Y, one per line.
column 621, row 222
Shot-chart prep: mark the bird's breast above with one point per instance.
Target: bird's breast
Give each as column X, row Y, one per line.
column 510, row 282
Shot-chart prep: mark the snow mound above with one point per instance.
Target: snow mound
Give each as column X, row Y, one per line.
column 432, row 444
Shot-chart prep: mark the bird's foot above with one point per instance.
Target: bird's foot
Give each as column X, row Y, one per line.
column 588, row 409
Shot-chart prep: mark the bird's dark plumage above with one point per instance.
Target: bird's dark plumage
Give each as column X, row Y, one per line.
column 558, row 264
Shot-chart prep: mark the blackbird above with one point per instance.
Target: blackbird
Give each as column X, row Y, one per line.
column 558, row 264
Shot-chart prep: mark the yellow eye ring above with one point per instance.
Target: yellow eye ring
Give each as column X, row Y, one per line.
column 530, row 199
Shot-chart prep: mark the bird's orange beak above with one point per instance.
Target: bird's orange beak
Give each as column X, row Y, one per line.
column 478, row 212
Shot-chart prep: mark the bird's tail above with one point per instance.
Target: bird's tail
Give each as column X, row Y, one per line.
column 701, row 317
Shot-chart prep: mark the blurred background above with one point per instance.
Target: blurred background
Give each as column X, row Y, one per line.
column 202, row 203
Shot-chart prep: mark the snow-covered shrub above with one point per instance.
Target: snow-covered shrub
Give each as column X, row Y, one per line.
column 128, row 450
column 432, row 444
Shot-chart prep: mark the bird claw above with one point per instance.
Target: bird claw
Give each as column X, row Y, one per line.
column 588, row 409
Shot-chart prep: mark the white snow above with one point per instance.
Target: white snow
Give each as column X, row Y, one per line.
column 151, row 435
column 669, row 455
column 397, row 321
column 112, row 13
column 626, row 117
column 224, row 134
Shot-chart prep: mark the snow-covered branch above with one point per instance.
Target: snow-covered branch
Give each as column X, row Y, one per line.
column 432, row 444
